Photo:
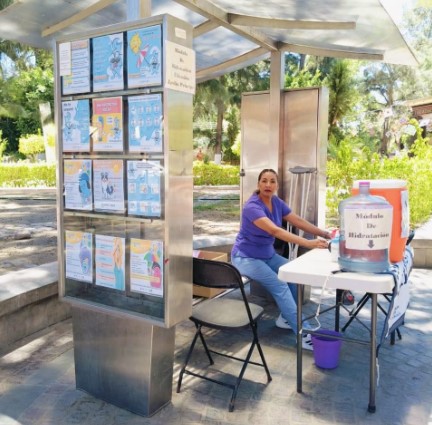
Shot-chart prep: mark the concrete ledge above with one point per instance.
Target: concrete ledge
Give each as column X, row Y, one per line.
column 422, row 253
column 215, row 243
column 29, row 302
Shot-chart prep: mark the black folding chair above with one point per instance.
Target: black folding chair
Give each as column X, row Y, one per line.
column 224, row 314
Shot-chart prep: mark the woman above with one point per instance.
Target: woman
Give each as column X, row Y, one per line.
column 253, row 252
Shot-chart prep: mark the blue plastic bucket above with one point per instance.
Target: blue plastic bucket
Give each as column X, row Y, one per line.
column 326, row 350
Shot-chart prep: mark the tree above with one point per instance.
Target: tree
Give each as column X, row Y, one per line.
column 343, row 94
column 21, row 94
column 213, row 98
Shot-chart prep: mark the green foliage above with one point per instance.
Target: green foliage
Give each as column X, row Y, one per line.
column 27, row 175
column 413, row 167
column 29, row 89
column 31, row 145
column 295, row 78
column 3, row 144
column 211, row 174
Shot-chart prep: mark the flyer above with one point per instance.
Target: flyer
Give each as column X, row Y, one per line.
column 76, row 126
column 79, row 79
column 146, row 266
column 144, row 57
column 108, row 185
column 77, row 184
column 144, row 188
column 110, row 262
column 107, row 124
column 79, row 256
column 108, row 62
column 145, row 123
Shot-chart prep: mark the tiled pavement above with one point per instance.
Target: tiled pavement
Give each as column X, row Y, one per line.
column 37, row 383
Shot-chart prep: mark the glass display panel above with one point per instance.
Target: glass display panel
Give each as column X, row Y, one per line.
column 115, row 263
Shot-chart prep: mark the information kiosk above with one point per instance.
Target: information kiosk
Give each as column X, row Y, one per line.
column 125, row 203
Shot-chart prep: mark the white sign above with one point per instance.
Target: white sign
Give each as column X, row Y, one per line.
column 65, row 59
column 368, row 229
column 400, row 304
column 180, row 68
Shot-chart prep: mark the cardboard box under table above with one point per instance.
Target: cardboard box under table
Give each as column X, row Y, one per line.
column 201, row 291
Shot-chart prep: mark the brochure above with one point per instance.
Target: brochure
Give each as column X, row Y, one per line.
column 110, row 262
column 107, row 121
column 108, row 184
column 108, row 62
column 145, row 123
column 77, row 184
column 144, row 57
column 144, row 188
column 76, row 126
column 78, row 81
column 79, row 256
column 146, row 266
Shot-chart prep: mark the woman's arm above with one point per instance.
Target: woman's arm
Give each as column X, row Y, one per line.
column 264, row 223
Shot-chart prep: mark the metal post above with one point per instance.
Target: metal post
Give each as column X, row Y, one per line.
column 137, row 9
column 373, row 357
column 300, row 180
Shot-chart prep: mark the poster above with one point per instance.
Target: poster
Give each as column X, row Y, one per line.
column 110, row 262
column 146, row 266
column 77, row 184
column 144, row 188
column 76, row 126
column 108, row 62
column 145, row 123
column 79, row 256
column 107, row 124
column 108, row 185
column 144, row 57
column 78, row 81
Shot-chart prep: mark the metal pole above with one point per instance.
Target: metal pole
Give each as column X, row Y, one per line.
column 373, row 357
column 136, row 9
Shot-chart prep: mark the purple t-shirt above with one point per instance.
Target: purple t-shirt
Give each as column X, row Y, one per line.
column 251, row 241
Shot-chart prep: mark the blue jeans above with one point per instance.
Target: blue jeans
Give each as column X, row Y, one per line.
column 265, row 272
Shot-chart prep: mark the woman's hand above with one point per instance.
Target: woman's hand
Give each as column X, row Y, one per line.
column 317, row 243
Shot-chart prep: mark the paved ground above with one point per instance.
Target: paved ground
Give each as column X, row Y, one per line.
column 28, row 228
column 37, row 383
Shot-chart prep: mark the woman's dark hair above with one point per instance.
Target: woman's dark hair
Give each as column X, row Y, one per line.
column 266, row 170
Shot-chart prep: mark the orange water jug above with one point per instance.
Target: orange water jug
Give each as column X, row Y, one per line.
column 396, row 193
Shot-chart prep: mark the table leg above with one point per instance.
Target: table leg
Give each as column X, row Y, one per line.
column 299, row 337
column 339, row 293
column 373, row 365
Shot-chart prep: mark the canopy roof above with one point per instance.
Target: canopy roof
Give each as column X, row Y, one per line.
column 229, row 34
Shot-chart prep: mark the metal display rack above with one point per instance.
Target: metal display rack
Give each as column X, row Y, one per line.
column 125, row 203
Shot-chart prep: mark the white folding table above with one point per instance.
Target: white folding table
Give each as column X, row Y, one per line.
column 315, row 268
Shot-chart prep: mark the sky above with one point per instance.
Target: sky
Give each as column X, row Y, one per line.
column 396, row 7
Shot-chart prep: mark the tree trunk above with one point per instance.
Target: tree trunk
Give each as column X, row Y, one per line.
column 385, row 138
column 219, row 133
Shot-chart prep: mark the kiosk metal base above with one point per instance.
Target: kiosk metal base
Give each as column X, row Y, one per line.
column 123, row 361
